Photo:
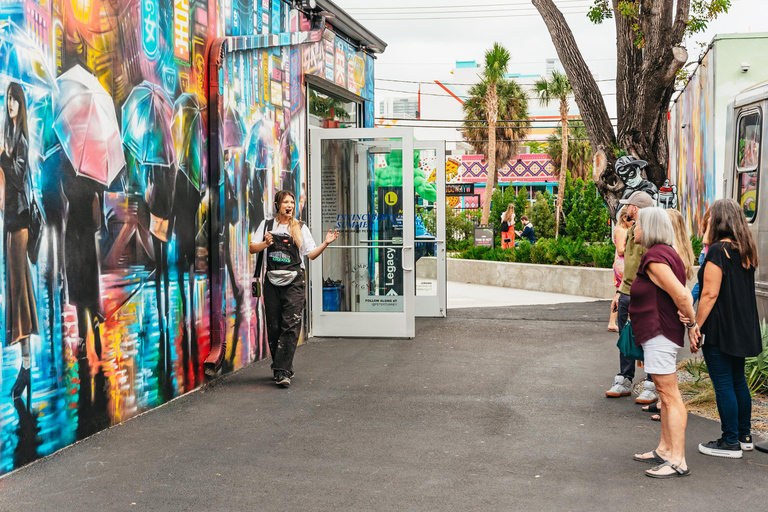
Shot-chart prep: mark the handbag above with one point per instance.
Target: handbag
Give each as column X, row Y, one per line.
column 256, row 282
column 35, row 231
column 627, row 346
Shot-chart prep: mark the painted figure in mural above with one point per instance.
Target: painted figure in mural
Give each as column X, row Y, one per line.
column 21, row 310
column 83, row 271
column 630, row 171
column 189, row 131
column 257, row 158
column 287, row 241
column 232, row 194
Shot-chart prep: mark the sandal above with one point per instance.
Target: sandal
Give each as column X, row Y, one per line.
column 656, row 417
column 678, row 471
column 656, row 459
column 654, row 407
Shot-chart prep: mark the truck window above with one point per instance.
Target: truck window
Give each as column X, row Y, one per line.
column 748, row 158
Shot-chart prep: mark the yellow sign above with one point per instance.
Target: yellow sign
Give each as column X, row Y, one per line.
column 390, row 198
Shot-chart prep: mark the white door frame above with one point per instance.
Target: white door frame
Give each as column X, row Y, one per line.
column 362, row 324
column 436, row 306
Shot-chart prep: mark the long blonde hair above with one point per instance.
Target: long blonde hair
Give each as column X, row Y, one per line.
column 509, row 214
column 682, row 241
column 294, row 226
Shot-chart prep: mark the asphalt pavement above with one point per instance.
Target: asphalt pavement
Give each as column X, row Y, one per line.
column 490, row 409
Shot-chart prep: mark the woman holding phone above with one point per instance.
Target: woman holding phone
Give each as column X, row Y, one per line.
column 287, row 241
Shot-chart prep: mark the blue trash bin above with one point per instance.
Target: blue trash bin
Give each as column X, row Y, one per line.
column 332, row 298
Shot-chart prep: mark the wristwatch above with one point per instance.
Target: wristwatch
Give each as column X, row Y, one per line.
column 691, row 326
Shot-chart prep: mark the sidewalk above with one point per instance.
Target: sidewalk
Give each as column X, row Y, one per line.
column 465, row 295
column 489, row 409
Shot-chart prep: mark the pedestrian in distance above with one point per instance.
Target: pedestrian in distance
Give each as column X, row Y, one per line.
column 286, row 241
column 619, row 241
column 658, row 293
column 508, row 227
column 728, row 322
column 633, row 252
column 528, row 232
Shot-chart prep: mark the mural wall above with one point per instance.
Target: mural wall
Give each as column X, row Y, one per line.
column 106, row 200
column 692, row 145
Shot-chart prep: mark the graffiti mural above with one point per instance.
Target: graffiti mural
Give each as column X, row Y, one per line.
column 692, row 145
column 106, row 201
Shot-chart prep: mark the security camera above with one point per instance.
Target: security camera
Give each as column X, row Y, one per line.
column 744, row 67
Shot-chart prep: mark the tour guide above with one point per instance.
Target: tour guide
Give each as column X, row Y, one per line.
column 287, row 241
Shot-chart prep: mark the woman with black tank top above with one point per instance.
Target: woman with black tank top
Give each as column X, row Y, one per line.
column 286, row 241
column 728, row 318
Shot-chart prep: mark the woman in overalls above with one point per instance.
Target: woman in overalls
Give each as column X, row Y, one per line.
column 287, row 241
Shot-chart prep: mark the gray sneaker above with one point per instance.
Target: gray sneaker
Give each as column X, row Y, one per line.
column 649, row 394
column 622, row 386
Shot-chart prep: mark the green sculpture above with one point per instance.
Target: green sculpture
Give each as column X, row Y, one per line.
column 392, row 175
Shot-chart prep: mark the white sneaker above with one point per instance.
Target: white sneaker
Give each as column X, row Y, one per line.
column 622, row 386
column 649, row 394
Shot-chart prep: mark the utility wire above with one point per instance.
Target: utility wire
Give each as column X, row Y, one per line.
column 456, row 10
column 505, row 4
column 458, row 95
column 456, row 83
column 431, row 18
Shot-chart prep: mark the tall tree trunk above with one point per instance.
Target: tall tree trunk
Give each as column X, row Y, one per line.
column 563, row 164
column 492, row 113
column 645, row 82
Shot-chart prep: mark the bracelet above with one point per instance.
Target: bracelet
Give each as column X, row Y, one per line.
column 691, row 326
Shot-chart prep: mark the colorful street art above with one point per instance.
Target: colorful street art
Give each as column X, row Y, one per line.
column 692, row 145
column 106, row 197
column 525, row 168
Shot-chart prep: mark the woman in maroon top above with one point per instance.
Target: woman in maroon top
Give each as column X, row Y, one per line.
column 657, row 294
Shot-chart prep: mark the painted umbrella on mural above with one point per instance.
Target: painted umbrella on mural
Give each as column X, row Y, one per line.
column 86, row 124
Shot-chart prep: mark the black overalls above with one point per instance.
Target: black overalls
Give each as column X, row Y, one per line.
column 284, row 305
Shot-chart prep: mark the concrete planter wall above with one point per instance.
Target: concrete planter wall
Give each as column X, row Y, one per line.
column 584, row 281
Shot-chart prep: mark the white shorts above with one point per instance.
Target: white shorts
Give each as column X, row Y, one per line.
column 660, row 355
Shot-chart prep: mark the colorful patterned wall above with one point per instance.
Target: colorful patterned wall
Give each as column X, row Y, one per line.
column 532, row 168
column 107, row 200
column 692, row 145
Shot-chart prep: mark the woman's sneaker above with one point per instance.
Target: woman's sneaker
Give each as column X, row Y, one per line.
column 622, row 386
column 649, row 394
column 720, row 448
column 746, row 442
column 283, row 379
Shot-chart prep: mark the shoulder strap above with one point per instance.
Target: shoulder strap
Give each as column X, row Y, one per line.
column 267, row 227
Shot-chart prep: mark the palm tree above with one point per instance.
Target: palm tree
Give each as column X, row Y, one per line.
column 485, row 99
column 558, row 88
column 513, row 106
column 579, row 150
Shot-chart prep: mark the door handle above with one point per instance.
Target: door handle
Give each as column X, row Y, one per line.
column 407, row 248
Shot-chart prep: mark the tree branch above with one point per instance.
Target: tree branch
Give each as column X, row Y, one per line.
column 586, row 91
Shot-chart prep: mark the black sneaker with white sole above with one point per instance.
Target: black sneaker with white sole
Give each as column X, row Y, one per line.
column 283, row 379
column 720, row 448
column 746, row 442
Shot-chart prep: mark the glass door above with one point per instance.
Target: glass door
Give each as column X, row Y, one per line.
column 361, row 183
column 429, row 228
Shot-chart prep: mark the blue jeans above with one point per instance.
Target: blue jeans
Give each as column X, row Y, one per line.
column 734, row 402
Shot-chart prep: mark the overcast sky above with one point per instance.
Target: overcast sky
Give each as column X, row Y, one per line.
column 426, row 49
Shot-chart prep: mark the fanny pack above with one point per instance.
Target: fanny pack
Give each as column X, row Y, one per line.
column 281, row 277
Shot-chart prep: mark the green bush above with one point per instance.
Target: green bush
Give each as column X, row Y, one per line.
column 756, row 368
column 458, row 229
column 697, row 245
column 543, row 215
column 548, row 251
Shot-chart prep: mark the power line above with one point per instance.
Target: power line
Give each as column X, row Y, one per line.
column 470, row 9
column 430, row 18
column 455, row 83
column 464, row 6
column 458, row 95
column 570, row 120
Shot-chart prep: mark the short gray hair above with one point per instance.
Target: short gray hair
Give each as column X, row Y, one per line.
column 656, row 227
